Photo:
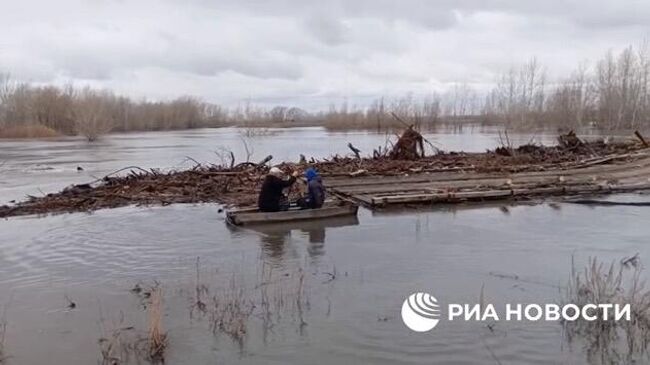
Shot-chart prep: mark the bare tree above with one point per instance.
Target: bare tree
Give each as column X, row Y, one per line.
column 519, row 95
column 278, row 114
column 572, row 101
column 92, row 118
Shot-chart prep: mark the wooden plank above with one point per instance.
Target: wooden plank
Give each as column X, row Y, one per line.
column 504, row 194
column 497, row 183
column 501, row 183
column 433, row 188
column 439, row 197
column 625, row 169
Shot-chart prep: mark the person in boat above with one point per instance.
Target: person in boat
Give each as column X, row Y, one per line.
column 315, row 191
column 272, row 198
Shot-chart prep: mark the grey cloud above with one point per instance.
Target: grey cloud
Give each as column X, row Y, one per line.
column 274, row 50
column 330, row 31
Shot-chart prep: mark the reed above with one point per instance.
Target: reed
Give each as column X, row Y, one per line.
column 157, row 338
column 275, row 297
column 609, row 341
column 230, row 312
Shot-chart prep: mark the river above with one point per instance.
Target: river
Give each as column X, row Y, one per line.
column 319, row 293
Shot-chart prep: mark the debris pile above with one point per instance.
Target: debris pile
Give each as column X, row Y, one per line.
column 528, row 157
column 409, row 146
column 570, row 141
column 239, row 184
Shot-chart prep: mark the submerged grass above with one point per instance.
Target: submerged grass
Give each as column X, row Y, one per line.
column 117, row 344
column 3, row 330
column 230, row 311
column 609, row 341
column 273, row 296
column 122, row 344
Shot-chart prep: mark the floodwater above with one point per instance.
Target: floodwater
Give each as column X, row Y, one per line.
column 318, row 293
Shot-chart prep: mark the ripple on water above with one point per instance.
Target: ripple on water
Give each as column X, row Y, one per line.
column 117, row 244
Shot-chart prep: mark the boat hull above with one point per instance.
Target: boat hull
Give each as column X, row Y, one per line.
column 253, row 216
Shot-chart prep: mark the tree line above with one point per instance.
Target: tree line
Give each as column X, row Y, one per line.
column 613, row 93
column 91, row 113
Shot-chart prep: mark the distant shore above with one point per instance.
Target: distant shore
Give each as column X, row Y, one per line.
column 38, row 131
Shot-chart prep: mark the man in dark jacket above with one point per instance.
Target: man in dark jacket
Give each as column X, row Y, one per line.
column 271, row 198
column 315, row 191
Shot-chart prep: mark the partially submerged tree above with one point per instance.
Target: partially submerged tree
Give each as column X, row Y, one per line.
column 92, row 117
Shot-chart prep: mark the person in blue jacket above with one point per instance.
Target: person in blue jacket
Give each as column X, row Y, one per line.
column 315, row 191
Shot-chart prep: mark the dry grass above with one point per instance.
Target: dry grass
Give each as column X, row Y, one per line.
column 360, row 121
column 157, row 338
column 28, row 131
column 609, row 341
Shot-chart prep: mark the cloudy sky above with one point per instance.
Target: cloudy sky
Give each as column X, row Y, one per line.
column 304, row 52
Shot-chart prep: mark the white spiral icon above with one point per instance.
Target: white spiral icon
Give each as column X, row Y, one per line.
column 420, row 312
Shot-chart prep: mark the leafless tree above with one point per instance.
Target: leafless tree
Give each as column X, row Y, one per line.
column 92, row 117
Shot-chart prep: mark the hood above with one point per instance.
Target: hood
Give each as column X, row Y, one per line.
column 310, row 174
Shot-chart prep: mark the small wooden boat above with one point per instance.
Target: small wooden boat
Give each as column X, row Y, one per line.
column 249, row 216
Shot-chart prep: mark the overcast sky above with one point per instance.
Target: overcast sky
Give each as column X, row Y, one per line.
column 303, row 52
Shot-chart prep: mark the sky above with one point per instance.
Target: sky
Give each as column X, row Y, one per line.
column 307, row 53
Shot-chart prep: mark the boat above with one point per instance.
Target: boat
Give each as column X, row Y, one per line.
column 252, row 216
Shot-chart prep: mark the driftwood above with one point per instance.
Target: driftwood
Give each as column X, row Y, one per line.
column 356, row 151
column 640, row 137
column 255, row 165
column 570, row 140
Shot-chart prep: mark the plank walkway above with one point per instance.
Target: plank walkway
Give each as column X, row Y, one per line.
column 606, row 175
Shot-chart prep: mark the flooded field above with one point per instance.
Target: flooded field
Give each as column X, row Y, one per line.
column 327, row 293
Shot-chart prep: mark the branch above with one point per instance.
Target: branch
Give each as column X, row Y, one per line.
column 355, row 150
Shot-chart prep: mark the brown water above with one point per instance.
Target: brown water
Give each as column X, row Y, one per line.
column 356, row 273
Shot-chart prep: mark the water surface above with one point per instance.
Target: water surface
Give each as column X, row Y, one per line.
column 356, row 272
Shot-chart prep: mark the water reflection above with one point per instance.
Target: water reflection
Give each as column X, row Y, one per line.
column 277, row 239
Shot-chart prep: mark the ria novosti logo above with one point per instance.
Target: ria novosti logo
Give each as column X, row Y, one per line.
column 421, row 312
